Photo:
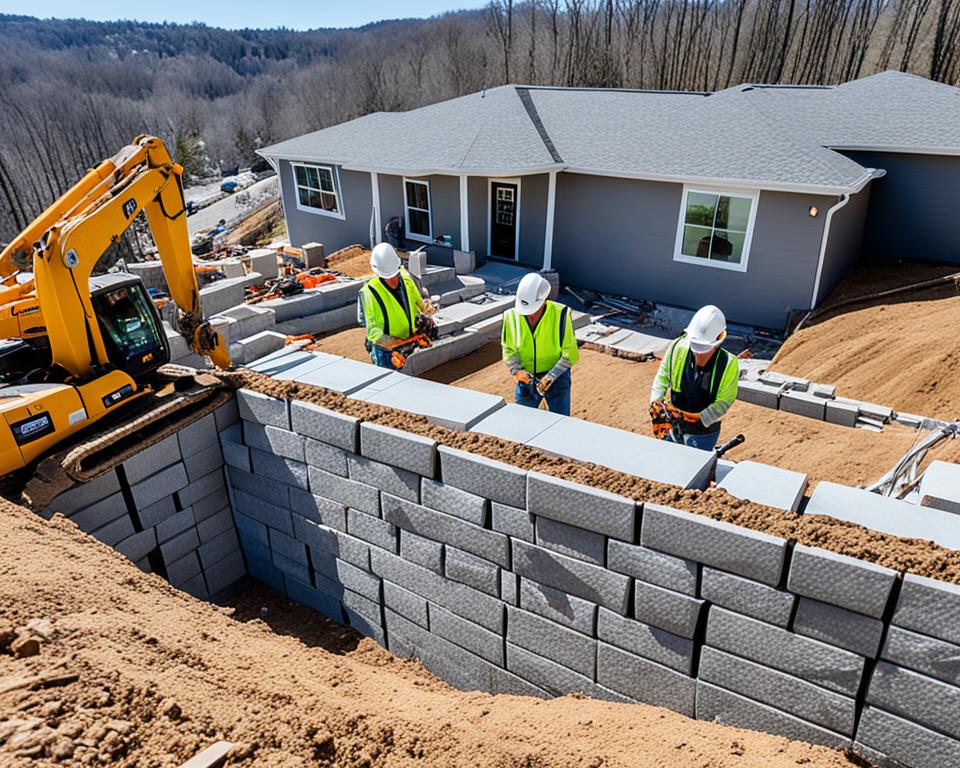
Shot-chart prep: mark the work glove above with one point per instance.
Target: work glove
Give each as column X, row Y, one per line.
column 429, row 308
column 543, row 386
column 522, row 376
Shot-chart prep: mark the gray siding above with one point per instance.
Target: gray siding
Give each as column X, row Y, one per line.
column 356, row 197
column 913, row 209
column 444, row 202
column 844, row 241
column 533, row 218
column 477, row 192
column 618, row 236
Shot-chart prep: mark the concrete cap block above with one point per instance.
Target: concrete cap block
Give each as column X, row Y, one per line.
column 559, row 607
column 931, row 703
column 444, row 405
column 398, row 448
column 751, row 598
column 322, row 424
column 653, row 567
column 928, row 655
column 906, row 742
column 468, row 569
column 803, row 404
column 646, row 641
column 838, row 626
column 263, row 409
column 672, row 611
column 764, row 484
column 453, row 501
column 840, row 580
column 826, row 391
column 644, row 680
column 579, row 505
column 517, row 422
column 940, row 487
column 486, row 644
column 301, row 366
column 344, row 376
column 571, row 649
column 483, row 477
column 929, row 606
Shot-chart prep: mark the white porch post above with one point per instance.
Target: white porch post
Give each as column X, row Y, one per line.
column 375, row 190
column 464, row 216
column 548, row 233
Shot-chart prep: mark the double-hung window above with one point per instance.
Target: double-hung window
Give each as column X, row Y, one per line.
column 317, row 189
column 416, row 208
column 715, row 228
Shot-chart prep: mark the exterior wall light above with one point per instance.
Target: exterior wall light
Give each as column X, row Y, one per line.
column 813, row 211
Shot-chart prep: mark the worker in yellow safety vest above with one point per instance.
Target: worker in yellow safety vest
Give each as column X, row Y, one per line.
column 702, row 378
column 539, row 347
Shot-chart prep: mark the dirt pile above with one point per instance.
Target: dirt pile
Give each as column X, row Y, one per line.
column 352, row 261
column 136, row 673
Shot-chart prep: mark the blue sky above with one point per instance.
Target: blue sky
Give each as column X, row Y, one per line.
column 296, row 14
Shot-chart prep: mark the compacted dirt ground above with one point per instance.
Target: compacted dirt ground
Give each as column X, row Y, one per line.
column 131, row 672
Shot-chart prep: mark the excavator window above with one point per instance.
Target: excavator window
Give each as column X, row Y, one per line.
column 131, row 328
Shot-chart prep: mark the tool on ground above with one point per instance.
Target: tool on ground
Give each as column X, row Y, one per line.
column 425, row 333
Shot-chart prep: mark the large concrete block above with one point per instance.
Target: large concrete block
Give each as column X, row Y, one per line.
column 568, row 540
column 653, row 567
column 324, row 542
column 575, row 577
column 553, row 678
column 271, row 515
column 105, row 511
column 828, row 709
column 291, row 570
column 802, row 657
column 389, row 479
column 940, row 487
column 446, row 406
column 644, row 680
column 258, row 345
column 407, row 604
column 628, row 452
column 579, row 505
column 755, row 555
column 469, row 569
column 931, row 703
column 450, row 347
column 845, row 581
column 326, row 457
column 163, row 483
column 758, row 393
column 904, row 741
column 484, row 543
column 509, row 587
column 212, row 482
column 139, row 545
column 344, row 376
column 281, row 442
column 204, row 462
column 717, row 705
column 198, row 436
column 80, row 496
column 350, row 493
column 838, row 626
column 372, row 530
column 177, row 547
column 357, row 580
column 772, row 486
column 751, row 598
column 929, row 606
column 308, row 302
column 263, row 409
column 559, row 607
column 517, row 523
column 321, row 602
column 151, row 460
column 218, row 548
column 254, row 529
column 224, row 572
column 288, row 471
column 320, row 322
column 263, row 569
column 288, row 547
column 803, row 404
column 486, row 644
column 645, row 640
column 571, row 649
column 399, row 449
column 517, row 422
column 844, row 414
column 483, row 477
column 422, row 551
column 920, row 653
column 453, row 501
column 156, row 512
column 334, row 428
column 182, row 570
column 176, row 524
column 664, row 608
column 318, row 509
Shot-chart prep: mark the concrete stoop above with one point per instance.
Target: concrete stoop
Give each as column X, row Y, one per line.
column 622, row 342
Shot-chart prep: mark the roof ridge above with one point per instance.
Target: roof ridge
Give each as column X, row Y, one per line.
column 527, row 100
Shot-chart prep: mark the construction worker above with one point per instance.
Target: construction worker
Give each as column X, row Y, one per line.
column 539, row 347
column 391, row 303
column 702, row 378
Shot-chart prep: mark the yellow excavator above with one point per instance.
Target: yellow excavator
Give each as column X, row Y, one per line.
column 79, row 347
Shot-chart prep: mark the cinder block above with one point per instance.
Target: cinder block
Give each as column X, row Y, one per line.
column 453, row 501
column 264, row 570
column 845, row 581
column 372, row 530
column 664, row 608
column 326, row 457
column 198, row 435
column 176, row 524
column 772, row 486
column 826, row 391
column 261, row 487
column 755, row 555
column 288, row 547
column 204, row 462
column 218, row 548
column 358, row 580
column 324, row 542
column 180, row 545
column 645, row 640
column 281, row 442
column 906, row 742
column 486, row 644
column 80, row 496
column 876, row 758
column 581, row 506
column 509, row 587
column 321, row 602
column 559, row 607
column 644, row 680
column 838, row 626
column 931, row 703
column 334, row 428
column 653, row 567
column 802, row 657
column 350, row 493
column 920, row 653
column 105, row 511
column 516, row 523
column 181, row 571
column 250, row 527
column 484, row 543
column 289, row 471
column 413, row 453
column 940, row 487
column 319, row 510
column 398, row 482
column 407, row 604
column 227, row 414
column 929, row 606
column 751, row 598
column 291, row 570
column 224, row 572
column 844, row 414
column 151, row 460
column 163, row 483
column 553, row 678
column 483, row 477
column 568, row 540
column 565, row 646
column 235, row 455
column 803, row 404
column 139, row 545
column 421, row 551
column 271, row 515
column 263, row 409
column 720, row 706
column 202, row 487
column 758, row 393
column 468, row 569
column 365, row 625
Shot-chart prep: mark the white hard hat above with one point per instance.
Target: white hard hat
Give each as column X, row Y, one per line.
column 707, row 329
column 531, row 293
column 384, row 260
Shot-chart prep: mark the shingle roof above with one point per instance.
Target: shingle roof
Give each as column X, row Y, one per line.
column 758, row 136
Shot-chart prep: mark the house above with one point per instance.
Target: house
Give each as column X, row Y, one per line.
column 755, row 198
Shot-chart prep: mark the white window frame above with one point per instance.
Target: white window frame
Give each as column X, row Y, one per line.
column 335, row 175
column 406, row 211
column 489, row 223
column 753, row 195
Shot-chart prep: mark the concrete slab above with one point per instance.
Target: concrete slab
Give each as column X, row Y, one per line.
column 764, row 484
column 279, row 361
column 307, row 365
column 452, row 407
column 940, row 487
column 641, row 346
column 898, row 518
column 344, row 376
column 475, row 310
column 627, row 452
column 517, row 422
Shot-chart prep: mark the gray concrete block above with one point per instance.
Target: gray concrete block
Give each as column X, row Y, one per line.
column 931, row 703
column 347, row 377
column 325, row 542
column 468, row 569
column 751, row 598
column 844, row 414
column 929, row 606
column 371, row 529
column 809, row 702
column 263, row 569
column 575, row 577
column 291, row 570
column 484, row 543
column 717, row 705
column 182, row 570
column 516, row 422
column 920, row 653
column 881, row 412
column 553, row 678
column 151, row 460
column 509, row 587
column 392, row 480
column 288, row 471
column 326, row 457
column 840, row 580
column 139, row 545
column 486, row 644
column 559, row 607
column 906, row 742
column 803, row 404
column 80, row 496
column 289, row 547
column 350, row 493
column 772, row 486
column 198, row 435
column 227, row 414
column 404, row 450
column 876, row 758
column 263, row 409
column 319, row 510
column 281, row 442
column 203, row 462
column 176, row 524
column 365, row 625
column 483, row 477
column 568, row 540
column 268, row 514
column 236, row 455
column 838, row 626
column 940, row 487
column 334, row 428
column 516, row 523
column 218, row 548
column 664, row 608
column 421, row 551
column 653, row 567
column 180, row 545
column 163, row 483
column 252, row 528
column 644, row 680
column 802, row 657
column 308, row 302
column 565, row 646
column 224, row 572
column 453, row 501
column 105, row 511
column 581, row 506
column 755, row 555
column 645, row 640
column 198, row 489
column 758, row 393
column 321, row 602
column 358, row 580
column 407, row 604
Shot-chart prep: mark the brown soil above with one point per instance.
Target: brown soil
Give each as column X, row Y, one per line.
column 136, row 673
column 352, row 261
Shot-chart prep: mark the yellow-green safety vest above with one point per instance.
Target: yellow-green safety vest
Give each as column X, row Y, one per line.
column 383, row 314
column 724, row 379
column 540, row 349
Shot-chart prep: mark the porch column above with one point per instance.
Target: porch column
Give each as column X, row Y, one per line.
column 375, row 190
column 464, row 216
column 548, row 233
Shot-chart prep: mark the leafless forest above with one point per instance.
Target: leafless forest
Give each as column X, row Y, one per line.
column 72, row 92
